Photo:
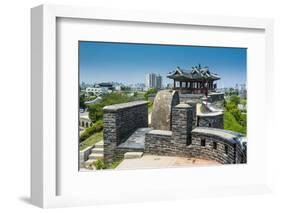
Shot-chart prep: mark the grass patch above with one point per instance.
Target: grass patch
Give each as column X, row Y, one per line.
column 114, row 164
column 230, row 123
column 91, row 140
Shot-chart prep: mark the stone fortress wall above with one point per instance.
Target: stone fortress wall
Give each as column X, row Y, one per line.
column 219, row 145
column 211, row 119
column 213, row 97
column 120, row 121
column 178, row 137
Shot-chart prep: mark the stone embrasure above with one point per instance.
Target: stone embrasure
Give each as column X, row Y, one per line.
column 117, row 107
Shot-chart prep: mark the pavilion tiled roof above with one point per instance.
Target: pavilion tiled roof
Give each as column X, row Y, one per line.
column 197, row 73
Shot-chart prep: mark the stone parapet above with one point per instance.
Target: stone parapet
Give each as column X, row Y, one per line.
column 158, row 142
column 211, row 119
column 214, row 97
column 182, row 118
column 120, row 121
column 216, row 144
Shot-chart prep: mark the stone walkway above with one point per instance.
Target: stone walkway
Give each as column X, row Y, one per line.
column 153, row 161
column 136, row 140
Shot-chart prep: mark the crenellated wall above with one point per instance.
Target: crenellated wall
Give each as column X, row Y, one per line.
column 213, row 97
column 120, row 121
column 158, row 142
column 172, row 143
column 215, row 144
column 210, row 119
column 209, row 141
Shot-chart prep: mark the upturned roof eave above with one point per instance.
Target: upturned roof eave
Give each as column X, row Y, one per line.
column 182, row 77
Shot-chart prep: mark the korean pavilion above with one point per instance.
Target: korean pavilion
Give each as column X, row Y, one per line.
column 198, row 80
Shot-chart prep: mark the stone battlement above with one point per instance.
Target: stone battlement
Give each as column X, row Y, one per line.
column 172, row 132
column 124, row 106
column 120, row 121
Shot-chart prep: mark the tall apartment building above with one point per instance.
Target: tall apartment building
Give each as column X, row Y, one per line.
column 153, row 81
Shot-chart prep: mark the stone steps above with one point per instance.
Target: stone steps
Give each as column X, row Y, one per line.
column 133, row 155
column 97, row 150
column 94, row 156
column 99, row 144
column 89, row 162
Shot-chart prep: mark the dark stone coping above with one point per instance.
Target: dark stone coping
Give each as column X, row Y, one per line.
column 232, row 137
column 160, row 132
column 117, row 107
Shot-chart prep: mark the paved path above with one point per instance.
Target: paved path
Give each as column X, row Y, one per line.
column 153, row 161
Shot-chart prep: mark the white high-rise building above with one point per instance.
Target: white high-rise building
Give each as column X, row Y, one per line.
column 153, row 81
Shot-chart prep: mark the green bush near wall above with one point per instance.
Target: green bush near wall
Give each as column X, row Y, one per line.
column 97, row 127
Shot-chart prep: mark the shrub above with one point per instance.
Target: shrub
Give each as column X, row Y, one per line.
column 97, row 127
column 99, row 164
column 150, row 91
column 95, row 112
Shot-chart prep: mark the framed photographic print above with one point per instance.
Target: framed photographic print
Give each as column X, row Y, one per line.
column 151, row 106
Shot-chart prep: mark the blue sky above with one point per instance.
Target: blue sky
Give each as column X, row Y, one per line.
column 128, row 63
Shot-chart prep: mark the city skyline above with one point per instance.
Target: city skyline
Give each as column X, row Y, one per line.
column 130, row 63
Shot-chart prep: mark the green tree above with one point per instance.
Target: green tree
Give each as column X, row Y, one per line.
column 150, row 91
column 95, row 112
column 82, row 102
column 235, row 99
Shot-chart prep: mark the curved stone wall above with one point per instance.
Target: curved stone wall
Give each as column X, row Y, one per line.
column 220, row 145
column 164, row 101
column 213, row 97
column 210, row 119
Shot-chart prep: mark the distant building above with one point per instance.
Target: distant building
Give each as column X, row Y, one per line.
column 97, row 91
column 109, row 86
column 117, row 87
column 158, row 82
column 153, row 81
column 84, row 120
column 243, row 91
column 138, row 87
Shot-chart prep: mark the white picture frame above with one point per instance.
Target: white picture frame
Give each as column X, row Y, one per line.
column 44, row 149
